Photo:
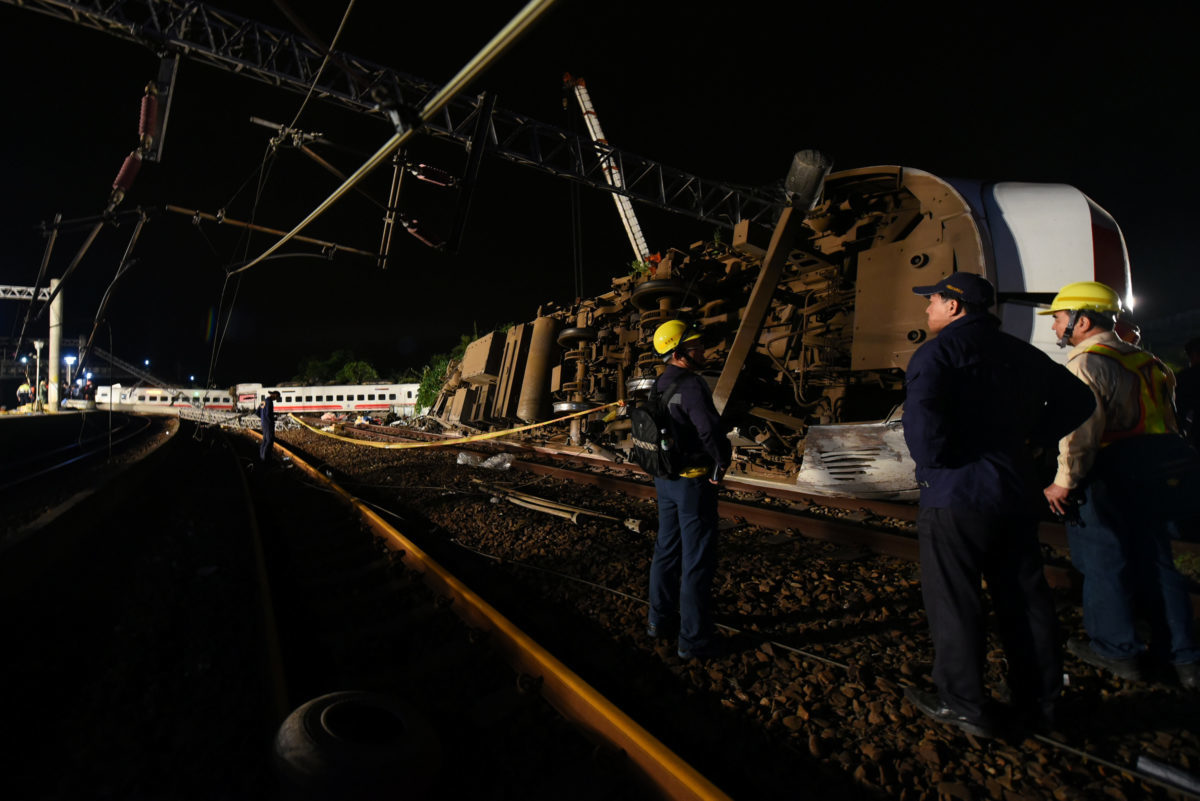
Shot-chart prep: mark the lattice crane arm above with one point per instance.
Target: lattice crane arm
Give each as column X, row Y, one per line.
column 609, row 167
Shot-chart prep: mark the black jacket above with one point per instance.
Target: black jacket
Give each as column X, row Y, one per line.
column 976, row 399
column 699, row 434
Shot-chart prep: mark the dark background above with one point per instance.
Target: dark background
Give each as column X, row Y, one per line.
column 725, row 91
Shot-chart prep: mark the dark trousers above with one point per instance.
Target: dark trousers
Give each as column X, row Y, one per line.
column 1122, row 546
column 685, row 559
column 958, row 548
column 268, row 436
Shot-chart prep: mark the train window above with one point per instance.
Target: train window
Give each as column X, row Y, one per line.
column 308, row 398
column 392, row 396
column 340, row 397
column 409, row 393
column 360, row 397
column 141, row 397
column 371, row 396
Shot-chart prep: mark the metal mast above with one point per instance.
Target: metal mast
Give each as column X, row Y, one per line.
column 610, row 168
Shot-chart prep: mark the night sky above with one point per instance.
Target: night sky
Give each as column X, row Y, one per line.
column 725, row 91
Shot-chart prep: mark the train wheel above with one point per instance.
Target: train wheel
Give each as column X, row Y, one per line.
column 647, row 295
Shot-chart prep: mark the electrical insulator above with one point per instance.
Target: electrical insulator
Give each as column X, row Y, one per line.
column 148, row 121
column 431, row 174
column 129, row 171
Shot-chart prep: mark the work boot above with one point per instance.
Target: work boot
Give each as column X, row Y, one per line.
column 713, row 650
column 1121, row 668
column 931, row 705
column 1189, row 675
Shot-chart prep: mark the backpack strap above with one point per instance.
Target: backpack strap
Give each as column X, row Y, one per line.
column 672, row 389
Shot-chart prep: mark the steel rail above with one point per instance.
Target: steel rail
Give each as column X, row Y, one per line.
column 101, row 441
column 901, row 546
column 574, row 698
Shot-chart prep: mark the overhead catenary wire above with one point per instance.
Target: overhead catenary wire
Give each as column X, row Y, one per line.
column 263, row 171
column 122, row 268
column 524, row 19
column 324, row 62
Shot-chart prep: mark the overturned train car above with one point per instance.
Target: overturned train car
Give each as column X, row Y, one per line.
column 809, row 326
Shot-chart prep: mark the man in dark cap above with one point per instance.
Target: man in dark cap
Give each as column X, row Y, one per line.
column 266, row 413
column 976, row 400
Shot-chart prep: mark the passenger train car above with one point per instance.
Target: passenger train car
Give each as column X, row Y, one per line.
column 808, row 327
column 379, row 399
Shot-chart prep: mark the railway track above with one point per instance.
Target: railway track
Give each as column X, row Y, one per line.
column 32, row 462
column 875, row 525
column 367, row 608
column 827, row 636
column 225, row 602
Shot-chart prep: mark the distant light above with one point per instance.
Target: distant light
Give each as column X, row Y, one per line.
column 89, row 376
column 70, row 360
column 24, row 360
column 146, row 362
column 79, row 382
column 191, row 378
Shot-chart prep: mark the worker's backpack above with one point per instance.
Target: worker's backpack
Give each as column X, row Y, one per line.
column 653, row 433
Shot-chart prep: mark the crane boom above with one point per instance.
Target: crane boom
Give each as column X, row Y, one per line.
column 611, row 169
column 235, row 44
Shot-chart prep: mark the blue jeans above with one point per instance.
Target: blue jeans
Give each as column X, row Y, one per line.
column 1122, row 546
column 685, row 559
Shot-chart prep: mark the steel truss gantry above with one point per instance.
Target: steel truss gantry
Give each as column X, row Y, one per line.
column 288, row 61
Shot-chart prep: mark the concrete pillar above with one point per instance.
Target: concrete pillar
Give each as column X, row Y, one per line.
column 55, row 365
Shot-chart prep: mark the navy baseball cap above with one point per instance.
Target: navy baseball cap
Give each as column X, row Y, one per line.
column 967, row 287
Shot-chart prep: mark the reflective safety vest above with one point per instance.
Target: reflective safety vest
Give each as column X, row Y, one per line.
column 1154, row 394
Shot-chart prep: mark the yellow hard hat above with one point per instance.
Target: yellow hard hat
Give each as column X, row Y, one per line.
column 671, row 334
column 1085, row 296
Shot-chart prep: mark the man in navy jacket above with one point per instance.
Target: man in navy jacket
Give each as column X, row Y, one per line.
column 685, row 549
column 976, row 402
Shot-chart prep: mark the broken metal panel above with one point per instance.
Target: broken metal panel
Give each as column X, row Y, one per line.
column 481, row 363
column 512, row 367
column 866, row 460
column 462, row 404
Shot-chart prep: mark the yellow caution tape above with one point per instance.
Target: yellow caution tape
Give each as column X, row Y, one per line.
column 457, row 441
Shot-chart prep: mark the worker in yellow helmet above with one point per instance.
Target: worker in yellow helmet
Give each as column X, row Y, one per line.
column 685, row 556
column 1133, row 474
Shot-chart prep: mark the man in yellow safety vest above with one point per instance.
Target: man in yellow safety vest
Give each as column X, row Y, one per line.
column 1134, row 474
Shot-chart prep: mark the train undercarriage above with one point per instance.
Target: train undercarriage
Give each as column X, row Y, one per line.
column 809, row 328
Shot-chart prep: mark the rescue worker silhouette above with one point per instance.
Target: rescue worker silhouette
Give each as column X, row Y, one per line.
column 975, row 399
column 1135, row 475
column 266, row 414
column 685, row 555
column 1187, row 393
column 24, row 392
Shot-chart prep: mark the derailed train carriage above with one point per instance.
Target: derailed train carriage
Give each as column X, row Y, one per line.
column 809, row 326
